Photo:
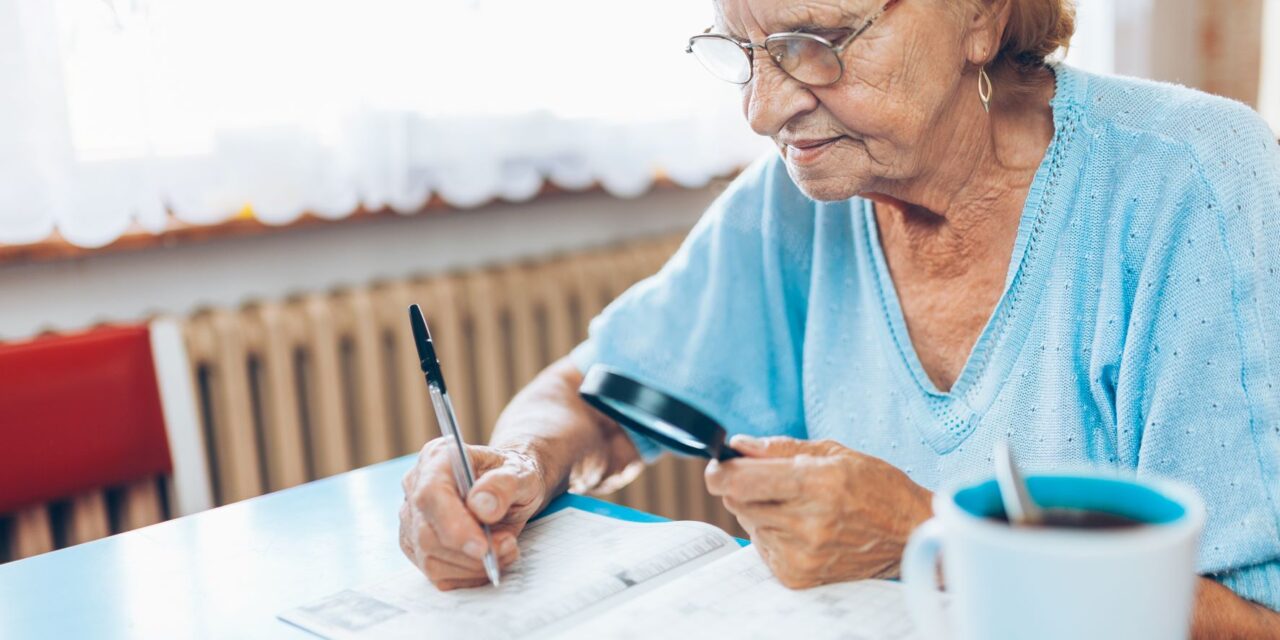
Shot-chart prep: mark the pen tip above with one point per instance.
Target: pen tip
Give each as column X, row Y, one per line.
column 491, row 568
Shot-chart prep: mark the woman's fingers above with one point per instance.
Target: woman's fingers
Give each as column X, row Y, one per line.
column 437, row 528
column 755, row 480
column 774, row 515
column 777, row 524
column 438, row 531
column 446, row 574
column 407, row 545
column 428, row 546
column 498, row 490
column 441, row 507
column 769, row 446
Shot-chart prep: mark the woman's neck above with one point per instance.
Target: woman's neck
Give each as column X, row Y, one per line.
column 973, row 184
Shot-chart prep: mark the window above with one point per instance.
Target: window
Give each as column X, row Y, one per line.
column 130, row 109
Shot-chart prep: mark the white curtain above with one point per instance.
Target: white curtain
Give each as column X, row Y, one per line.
column 116, row 112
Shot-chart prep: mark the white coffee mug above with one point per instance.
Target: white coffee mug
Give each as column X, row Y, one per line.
column 1130, row 583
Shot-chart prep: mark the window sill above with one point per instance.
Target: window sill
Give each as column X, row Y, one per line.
column 177, row 233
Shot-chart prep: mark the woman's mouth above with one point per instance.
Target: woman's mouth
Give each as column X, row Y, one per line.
column 802, row 152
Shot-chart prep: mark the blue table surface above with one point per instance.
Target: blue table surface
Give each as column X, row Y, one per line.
column 227, row 572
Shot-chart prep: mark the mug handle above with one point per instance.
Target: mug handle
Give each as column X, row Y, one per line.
column 920, row 577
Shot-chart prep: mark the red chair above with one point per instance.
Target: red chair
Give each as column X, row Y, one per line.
column 108, row 408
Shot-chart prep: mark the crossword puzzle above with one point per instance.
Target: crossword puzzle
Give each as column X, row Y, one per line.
column 738, row 597
column 569, row 562
column 582, row 575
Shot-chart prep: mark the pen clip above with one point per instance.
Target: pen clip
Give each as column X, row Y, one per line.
column 427, row 359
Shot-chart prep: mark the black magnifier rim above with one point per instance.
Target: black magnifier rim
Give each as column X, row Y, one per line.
column 603, row 385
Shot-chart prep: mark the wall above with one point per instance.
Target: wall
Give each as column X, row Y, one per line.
column 1269, row 98
column 1212, row 45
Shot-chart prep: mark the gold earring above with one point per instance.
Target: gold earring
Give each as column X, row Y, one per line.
column 984, row 89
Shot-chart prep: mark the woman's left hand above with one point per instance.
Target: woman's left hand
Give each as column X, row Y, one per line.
column 817, row 511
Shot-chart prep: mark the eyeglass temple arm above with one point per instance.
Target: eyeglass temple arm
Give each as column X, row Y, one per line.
column 866, row 24
column 871, row 19
column 688, row 47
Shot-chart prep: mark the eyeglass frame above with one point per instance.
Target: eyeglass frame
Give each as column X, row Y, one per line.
column 749, row 48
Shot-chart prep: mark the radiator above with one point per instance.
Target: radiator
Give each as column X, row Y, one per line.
column 299, row 389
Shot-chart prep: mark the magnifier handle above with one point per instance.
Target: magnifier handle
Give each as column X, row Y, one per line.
column 727, row 453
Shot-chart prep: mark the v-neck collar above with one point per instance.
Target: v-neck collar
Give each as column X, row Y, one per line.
column 956, row 411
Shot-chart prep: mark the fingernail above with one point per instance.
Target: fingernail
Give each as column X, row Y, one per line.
column 484, row 503
column 508, row 546
column 744, row 441
column 474, row 548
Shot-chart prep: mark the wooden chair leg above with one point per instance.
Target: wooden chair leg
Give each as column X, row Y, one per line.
column 32, row 533
column 140, row 505
column 89, row 520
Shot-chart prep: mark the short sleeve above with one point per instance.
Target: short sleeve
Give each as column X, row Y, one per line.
column 1197, row 397
column 720, row 326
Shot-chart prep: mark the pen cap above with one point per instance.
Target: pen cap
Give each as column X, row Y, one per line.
column 426, row 348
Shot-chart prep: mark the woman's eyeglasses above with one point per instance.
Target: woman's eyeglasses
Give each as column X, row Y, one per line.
column 809, row 58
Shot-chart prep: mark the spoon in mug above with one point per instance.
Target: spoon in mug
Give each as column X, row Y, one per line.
column 1018, row 505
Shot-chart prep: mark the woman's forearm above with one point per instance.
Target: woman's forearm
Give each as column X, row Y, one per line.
column 1220, row 613
column 575, row 446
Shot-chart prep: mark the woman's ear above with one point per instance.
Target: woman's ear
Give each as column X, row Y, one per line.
column 984, row 26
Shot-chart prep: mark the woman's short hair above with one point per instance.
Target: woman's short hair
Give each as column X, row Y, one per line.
column 1036, row 29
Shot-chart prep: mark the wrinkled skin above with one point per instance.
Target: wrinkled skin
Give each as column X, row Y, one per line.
column 906, row 105
column 817, row 511
column 441, row 534
column 546, row 441
column 948, row 180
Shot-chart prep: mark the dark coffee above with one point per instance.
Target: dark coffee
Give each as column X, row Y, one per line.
column 1082, row 519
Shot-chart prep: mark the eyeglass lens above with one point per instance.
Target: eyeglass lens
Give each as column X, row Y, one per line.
column 724, row 58
column 804, row 59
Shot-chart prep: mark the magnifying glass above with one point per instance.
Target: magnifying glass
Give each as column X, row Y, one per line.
column 652, row 413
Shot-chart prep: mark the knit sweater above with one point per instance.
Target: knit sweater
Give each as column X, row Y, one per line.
column 1138, row 330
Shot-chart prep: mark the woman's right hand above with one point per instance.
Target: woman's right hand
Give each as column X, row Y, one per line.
column 441, row 534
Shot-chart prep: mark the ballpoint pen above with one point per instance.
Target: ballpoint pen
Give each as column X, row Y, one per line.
column 461, row 461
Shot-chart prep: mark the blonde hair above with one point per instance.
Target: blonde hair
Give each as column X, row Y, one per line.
column 1036, row 29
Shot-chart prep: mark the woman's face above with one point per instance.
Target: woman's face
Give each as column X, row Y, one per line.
column 900, row 78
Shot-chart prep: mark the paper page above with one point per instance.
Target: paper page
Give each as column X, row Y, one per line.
column 573, row 565
column 739, row 598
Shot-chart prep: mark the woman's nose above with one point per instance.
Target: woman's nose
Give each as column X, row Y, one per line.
column 773, row 98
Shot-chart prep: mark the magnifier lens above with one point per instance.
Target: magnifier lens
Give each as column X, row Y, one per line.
column 657, row 425
column 652, row 413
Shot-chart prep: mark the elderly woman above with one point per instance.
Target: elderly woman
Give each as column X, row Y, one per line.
column 956, row 243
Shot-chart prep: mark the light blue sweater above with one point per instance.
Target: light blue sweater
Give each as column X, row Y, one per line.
column 1139, row 328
